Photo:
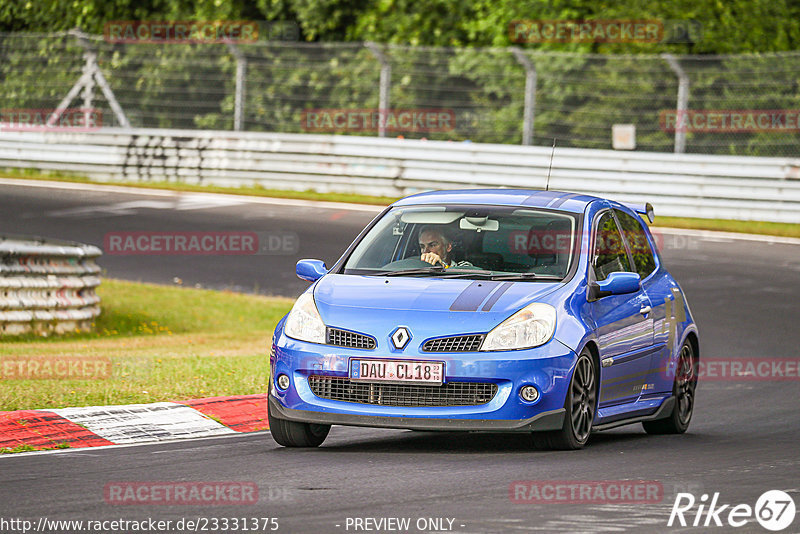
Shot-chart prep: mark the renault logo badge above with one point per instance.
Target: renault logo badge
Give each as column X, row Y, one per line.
column 400, row 337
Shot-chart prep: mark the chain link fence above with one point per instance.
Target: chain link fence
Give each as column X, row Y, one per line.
column 495, row 95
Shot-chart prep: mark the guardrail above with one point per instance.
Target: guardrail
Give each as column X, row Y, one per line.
column 47, row 286
column 727, row 187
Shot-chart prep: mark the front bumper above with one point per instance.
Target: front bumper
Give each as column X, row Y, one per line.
column 552, row 420
column 548, row 368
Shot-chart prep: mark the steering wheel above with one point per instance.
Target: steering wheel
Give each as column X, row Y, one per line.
column 406, row 263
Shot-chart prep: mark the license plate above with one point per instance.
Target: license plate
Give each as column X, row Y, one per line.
column 404, row 371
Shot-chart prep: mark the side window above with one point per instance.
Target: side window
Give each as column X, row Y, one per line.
column 637, row 241
column 609, row 254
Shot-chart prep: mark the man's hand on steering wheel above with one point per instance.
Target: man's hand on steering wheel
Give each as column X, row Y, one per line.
column 432, row 258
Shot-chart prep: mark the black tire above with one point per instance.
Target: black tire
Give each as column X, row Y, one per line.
column 683, row 388
column 581, row 406
column 294, row 434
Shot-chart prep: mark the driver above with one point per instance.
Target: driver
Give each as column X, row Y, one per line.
column 435, row 248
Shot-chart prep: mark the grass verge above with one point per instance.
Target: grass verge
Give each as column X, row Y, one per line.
column 29, row 448
column 164, row 343
column 725, row 225
column 721, row 225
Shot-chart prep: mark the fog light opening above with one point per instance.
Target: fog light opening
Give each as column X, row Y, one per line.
column 529, row 393
column 283, row 382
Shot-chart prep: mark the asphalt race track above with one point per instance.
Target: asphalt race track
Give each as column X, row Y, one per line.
column 744, row 437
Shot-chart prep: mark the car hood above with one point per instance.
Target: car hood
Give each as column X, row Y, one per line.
column 433, row 306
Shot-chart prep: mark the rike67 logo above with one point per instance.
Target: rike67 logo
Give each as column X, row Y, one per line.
column 774, row 510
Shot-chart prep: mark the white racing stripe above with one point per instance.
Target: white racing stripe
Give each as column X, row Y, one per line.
column 139, row 423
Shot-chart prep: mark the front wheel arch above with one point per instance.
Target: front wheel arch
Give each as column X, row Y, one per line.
column 595, row 352
column 566, row 437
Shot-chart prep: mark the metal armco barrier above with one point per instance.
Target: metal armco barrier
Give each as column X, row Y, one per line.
column 47, row 286
column 726, row 187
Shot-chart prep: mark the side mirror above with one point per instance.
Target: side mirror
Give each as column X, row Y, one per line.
column 311, row 270
column 619, row 283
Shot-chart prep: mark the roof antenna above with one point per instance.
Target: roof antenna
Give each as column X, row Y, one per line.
column 550, row 168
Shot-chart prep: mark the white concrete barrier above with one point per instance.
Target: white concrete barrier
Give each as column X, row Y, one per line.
column 47, row 286
column 728, row 187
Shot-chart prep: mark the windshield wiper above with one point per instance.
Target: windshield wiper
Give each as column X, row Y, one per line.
column 466, row 273
column 439, row 271
column 526, row 276
column 433, row 269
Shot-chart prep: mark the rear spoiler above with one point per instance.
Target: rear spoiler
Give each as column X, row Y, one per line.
column 642, row 209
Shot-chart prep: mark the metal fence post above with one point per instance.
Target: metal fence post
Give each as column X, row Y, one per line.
column 385, row 85
column 91, row 75
column 530, row 94
column 241, row 71
column 88, row 88
column 683, row 101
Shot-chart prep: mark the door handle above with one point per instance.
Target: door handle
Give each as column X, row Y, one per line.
column 645, row 310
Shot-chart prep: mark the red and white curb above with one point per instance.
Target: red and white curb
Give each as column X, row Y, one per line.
column 96, row 426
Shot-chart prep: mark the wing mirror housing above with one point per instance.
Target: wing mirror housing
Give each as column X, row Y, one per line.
column 311, row 270
column 619, row 283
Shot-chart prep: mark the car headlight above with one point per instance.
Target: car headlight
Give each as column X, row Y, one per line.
column 531, row 326
column 304, row 322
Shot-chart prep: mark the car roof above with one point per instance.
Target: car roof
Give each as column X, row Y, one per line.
column 562, row 200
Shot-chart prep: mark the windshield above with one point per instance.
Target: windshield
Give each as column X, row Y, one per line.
column 497, row 242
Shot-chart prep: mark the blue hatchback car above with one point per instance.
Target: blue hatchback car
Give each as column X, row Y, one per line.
column 489, row 310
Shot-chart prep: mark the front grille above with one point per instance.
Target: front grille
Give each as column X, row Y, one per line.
column 454, row 344
column 345, row 338
column 448, row 394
